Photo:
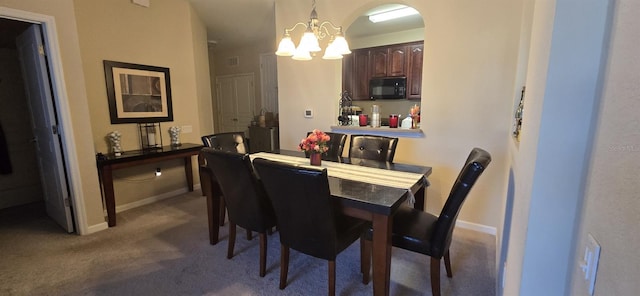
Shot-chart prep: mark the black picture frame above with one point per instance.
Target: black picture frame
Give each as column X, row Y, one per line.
column 138, row 93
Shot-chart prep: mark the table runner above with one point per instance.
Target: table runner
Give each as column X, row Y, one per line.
column 389, row 178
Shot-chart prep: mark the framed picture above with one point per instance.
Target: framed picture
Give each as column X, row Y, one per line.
column 138, row 93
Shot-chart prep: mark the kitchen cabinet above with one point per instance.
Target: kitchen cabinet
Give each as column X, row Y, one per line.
column 389, row 61
column 397, row 60
column 414, row 73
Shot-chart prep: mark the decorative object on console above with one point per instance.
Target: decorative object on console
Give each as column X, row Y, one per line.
column 415, row 116
column 114, row 138
column 174, row 133
column 315, row 143
column 150, row 136
column 315, row 30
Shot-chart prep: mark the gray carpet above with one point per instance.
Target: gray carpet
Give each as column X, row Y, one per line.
column 163, row 249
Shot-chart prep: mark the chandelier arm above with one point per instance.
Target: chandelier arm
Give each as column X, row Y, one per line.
column 294, row 27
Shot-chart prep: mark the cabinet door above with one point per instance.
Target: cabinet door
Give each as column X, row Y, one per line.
column 379, row 59
column 361, row 75
column 348, row 75
column 414, row 75
column 397, row 61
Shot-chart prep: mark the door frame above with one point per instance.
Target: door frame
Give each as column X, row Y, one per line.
column 61, row 102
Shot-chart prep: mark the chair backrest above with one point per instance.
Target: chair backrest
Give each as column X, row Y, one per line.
column 336, row 146
column 245, row 198
column 233, row 142
column 304, row 209
column 476, row 163
column 378, row 148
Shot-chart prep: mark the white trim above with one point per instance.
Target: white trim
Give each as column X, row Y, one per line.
column 477, row 227
column 97, row 227
column 62, row 106
column 155, row 198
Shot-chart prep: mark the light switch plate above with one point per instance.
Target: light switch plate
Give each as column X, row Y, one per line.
column 308, row 113
column 187, row 129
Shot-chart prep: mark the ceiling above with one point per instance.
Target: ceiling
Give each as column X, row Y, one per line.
column 234, row 23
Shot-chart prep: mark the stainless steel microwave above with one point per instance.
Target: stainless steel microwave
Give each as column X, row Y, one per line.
column 387, row 88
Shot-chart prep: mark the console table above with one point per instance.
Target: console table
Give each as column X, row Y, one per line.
column 107, row 163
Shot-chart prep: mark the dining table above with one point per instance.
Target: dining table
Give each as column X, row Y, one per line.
column 366, row 189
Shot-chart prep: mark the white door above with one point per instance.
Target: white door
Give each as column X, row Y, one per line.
column 269, row 82
column 236, row 99
column 45, row 128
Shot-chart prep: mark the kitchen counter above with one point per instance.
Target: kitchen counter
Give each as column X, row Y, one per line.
column 378, row 131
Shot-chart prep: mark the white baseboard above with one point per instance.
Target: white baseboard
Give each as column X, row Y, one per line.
column 477, row 227
column 154, row 198
column 95, row 228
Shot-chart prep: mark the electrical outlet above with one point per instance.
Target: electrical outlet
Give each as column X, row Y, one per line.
column 589, row 263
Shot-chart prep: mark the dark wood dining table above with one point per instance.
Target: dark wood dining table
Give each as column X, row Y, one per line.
column 367, row 201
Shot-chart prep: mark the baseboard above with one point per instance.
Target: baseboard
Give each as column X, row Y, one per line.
column 154, row 198
column 477, row 227
column 95, row 228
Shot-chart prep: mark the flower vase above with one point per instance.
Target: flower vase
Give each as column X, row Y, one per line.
column 315, row 158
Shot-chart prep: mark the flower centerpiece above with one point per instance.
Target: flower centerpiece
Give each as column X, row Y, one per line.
column 316, row 143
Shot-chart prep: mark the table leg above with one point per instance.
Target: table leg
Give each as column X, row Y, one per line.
column 382, row 226
column 213, row 210
column 188, row 170
column 421, row 197
column 109, row 198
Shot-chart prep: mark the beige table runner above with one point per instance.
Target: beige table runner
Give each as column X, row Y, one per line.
column 389, row 178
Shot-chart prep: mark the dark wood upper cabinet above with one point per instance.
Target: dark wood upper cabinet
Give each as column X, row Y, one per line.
column 395, row 60
column 414, row 74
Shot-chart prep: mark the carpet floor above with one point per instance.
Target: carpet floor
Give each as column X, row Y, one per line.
column 163, row 249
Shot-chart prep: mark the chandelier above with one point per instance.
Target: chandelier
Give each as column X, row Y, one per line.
column 315, row 30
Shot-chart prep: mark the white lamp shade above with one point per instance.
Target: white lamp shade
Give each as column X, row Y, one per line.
column 309, row 42
column 286, row 48
column 301, row 54
column 330, row 53
column 341, row 45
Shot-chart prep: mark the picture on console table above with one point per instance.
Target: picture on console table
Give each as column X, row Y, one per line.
column 138, row 93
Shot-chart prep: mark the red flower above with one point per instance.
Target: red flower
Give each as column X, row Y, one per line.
column 316, row 141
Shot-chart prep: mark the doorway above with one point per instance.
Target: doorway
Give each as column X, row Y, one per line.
column 37, row 176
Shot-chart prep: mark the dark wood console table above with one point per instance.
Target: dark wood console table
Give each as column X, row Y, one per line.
column 107, row 163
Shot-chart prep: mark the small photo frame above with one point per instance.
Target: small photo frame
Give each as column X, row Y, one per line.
column 138, row 93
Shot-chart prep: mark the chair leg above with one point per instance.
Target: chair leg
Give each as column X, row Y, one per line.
column 332, row 277
column 435, row 276
column 223, row 207
column 365, row 259
column 263, row 254
column 284, row 265
column 447, row 264
column 232, row 239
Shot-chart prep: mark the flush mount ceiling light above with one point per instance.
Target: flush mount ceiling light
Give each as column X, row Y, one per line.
column 315, row 30
column 392, row 14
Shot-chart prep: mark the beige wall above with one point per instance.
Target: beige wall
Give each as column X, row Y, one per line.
column 85, row 179
column 167, row 34
column 612, row 208
column 470, row 60
column 200, row 51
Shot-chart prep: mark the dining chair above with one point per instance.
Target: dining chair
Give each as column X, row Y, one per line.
column 308, row 218
column 336, row 146
column 231, row 141
column 424, row 233
column 378, row 148
column 246, row 200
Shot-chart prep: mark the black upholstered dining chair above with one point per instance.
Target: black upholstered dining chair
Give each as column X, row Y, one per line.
column 246, row 200
column 378, row 148
column 232, row 142
column 308, row 218
column 336, row 146
column 431, row 235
